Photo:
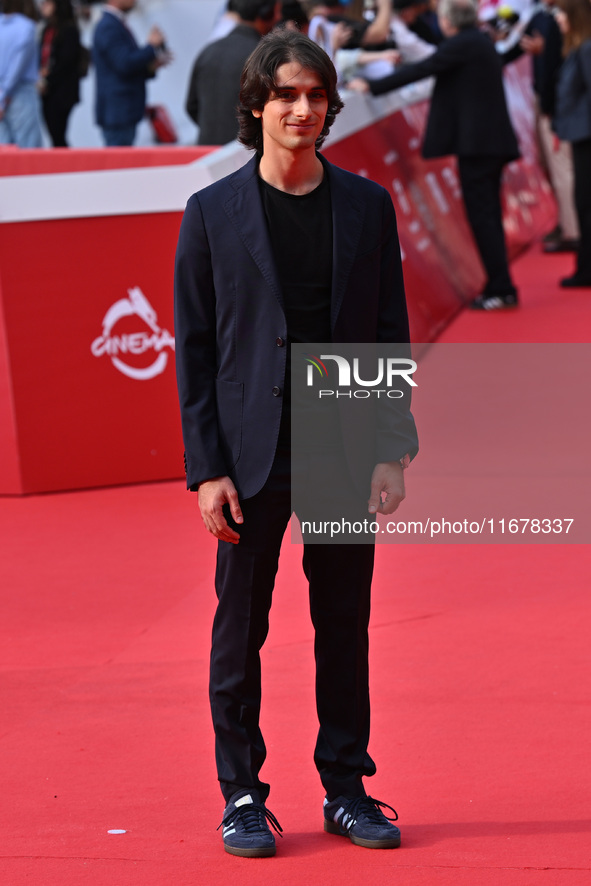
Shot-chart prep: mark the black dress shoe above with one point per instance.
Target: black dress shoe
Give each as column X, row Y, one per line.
column 560, row 246
column 494, row 302
column 575, row 281
column 554, row 234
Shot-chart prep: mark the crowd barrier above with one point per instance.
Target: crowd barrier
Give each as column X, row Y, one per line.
column 87, row 240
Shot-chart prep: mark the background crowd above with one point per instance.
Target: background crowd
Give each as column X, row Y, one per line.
column 377, row 46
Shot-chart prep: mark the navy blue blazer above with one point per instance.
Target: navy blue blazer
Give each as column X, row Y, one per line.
column 230, row 324
column 572, row 122
column 122, row 68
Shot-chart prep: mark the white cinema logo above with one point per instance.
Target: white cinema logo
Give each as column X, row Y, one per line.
column 135, row 343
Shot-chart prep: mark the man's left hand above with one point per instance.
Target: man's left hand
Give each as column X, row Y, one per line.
column 387, row 488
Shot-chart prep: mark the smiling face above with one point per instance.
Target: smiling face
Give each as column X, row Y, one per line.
column 293, row 117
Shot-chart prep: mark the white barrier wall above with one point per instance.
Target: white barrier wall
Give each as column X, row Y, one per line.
column 186, row 25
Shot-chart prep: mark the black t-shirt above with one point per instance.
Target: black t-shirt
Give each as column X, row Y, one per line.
column 300, row 229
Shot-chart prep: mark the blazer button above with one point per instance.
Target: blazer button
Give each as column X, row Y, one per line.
column 279, row 342
column 276, row 391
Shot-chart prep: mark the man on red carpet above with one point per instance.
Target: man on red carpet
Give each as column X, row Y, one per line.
column 288, row 249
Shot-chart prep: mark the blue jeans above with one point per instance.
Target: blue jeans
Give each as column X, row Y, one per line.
column 20, row 124
column 119, row 136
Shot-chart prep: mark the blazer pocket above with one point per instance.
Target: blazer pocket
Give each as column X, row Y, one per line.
column 369, row 254
column 230, row 396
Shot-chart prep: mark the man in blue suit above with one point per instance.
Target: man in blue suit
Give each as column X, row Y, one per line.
column 122, row 68
column 288, row 249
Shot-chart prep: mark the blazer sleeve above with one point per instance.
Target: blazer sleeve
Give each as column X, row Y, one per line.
column 396, row 430
column 195, row 347
column 447, row 57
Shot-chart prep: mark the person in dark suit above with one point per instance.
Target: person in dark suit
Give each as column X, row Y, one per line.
column 214, row 85
column 572, row 122
column 287, row 249
column 122, row 68
column 468, row 117
column 59, row 68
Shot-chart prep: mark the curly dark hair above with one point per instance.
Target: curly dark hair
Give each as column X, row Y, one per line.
column 258, row 81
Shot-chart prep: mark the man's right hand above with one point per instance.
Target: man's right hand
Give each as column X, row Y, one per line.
column 157, row 41
column 156, row 37
column 213, row 495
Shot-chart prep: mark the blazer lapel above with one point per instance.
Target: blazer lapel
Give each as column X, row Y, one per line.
column 244, row 209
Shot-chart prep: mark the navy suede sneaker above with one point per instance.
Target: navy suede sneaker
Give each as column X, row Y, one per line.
column 362, row 820
column 244, row 826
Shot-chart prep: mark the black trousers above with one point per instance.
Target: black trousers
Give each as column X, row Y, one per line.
column 582, row 186
column 480, row 178
column 339, row 578
column 56, row 115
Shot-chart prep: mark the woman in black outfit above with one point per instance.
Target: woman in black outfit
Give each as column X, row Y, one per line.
column 60, row 67
column 573, row 120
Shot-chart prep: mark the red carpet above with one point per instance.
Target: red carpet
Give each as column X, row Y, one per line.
column 548, row 313
column 480, row 663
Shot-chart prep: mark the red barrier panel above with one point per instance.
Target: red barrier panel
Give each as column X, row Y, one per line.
column 87, row 383
column 16, row 162
column 91, row 351
column 10, row 481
